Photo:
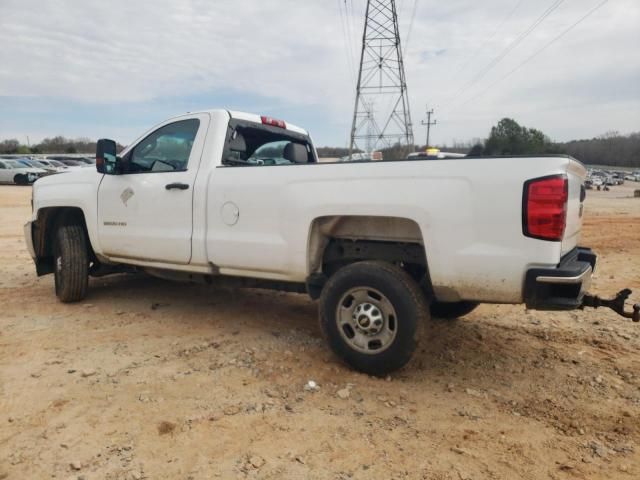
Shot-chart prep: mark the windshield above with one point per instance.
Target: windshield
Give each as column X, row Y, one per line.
column 13, row 164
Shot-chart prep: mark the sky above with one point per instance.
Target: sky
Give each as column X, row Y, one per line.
column 115, row 68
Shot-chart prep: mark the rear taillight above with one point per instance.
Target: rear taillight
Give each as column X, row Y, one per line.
column 545, row 208
column 273, row 122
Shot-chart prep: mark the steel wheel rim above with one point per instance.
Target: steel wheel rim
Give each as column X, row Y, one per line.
column 366, row 320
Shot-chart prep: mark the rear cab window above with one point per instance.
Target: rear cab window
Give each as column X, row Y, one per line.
column 254, row 144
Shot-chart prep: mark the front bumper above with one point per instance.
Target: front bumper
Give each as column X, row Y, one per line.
column 563, row 287
column 28, row 239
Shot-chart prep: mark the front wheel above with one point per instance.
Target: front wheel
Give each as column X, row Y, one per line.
column 71, row 263
column 370, row 314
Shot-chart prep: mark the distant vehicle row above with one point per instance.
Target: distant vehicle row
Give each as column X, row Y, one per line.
column 428, row 154
column 607, row 178
column 26, row 170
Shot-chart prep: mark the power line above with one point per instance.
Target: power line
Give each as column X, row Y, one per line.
column 537, row 52
column 474, row 55
column 347, row 43
column 506, row 51
column 410, row 29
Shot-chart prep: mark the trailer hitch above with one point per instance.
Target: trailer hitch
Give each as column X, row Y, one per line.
column 616, row 304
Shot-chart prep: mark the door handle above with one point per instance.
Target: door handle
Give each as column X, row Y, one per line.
column 176, row 186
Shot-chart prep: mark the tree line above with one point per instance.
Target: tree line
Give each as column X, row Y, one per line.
column 611, row 149
column 58, row 144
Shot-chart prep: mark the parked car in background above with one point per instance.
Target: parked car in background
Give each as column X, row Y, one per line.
column 74, row 160
column 54, row 164
column 617, row 179
column 14, row 172
column 43, row 164
column 363, row 157
column 70, row 163
column 434, row 154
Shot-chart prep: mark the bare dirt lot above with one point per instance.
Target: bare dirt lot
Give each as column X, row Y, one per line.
column 150, row 379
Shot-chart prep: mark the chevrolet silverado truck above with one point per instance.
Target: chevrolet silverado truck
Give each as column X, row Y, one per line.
column 225, row 196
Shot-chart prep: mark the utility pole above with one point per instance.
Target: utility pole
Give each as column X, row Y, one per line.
column 381, row 77
column 429, row 124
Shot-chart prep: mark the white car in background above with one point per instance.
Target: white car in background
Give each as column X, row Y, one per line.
column 14, row 172
column 36, row 163
column 54, row 165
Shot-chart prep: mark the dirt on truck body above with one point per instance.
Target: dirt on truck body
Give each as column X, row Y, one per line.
column 152, row 379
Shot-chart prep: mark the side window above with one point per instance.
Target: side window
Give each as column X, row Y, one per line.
column 165, row 150
column 2, row 166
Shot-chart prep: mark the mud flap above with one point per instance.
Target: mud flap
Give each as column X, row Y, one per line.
column 616, row 304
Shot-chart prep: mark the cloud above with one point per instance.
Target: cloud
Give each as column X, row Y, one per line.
column 292, row 55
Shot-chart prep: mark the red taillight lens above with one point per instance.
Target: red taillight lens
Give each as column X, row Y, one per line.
column 545, row 208
column 273, row 122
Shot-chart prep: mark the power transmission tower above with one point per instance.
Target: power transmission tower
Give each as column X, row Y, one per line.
column 429, row 124
column 381, row 76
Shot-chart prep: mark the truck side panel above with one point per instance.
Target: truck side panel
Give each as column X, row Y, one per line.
column 469, row 212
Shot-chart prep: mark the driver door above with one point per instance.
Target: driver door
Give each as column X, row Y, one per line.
column 145, row 212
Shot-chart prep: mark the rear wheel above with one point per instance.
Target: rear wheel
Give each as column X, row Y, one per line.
column 371, row 313
column 452, row 310
column 71, row 259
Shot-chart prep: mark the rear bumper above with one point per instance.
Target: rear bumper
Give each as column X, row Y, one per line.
column 562, row 287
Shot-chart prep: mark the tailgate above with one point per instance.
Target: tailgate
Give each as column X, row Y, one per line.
column 577, row 173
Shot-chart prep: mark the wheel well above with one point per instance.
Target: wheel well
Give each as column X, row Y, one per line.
column 337, row 241
column 49, row 219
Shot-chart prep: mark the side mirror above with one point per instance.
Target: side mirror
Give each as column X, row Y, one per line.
column 106, row 158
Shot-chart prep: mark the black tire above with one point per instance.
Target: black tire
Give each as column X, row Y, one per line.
column 71, row 262
column 21, row 179
column 410, row 313
column 452, row 310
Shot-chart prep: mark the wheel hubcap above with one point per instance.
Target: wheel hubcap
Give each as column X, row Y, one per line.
column 366, row 320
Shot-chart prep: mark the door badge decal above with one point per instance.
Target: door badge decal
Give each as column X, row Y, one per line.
column 126, row 195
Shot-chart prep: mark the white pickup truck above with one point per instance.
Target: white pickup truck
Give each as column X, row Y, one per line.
column 226, row 195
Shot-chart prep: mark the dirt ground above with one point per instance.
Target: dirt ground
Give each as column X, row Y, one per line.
column 150, row 379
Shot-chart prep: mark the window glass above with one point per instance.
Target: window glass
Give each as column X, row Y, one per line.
column 271, row 153
column 258, row 145
column 165, row 150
